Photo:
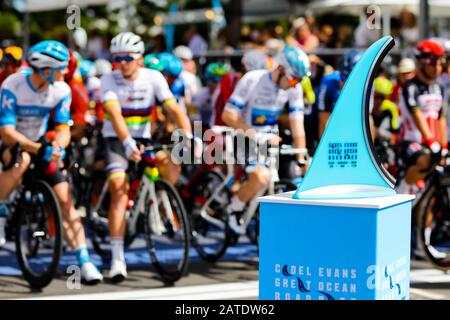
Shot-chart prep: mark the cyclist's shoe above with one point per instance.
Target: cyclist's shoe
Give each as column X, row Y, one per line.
column 234, row 223
column 118, row 271
column 2, row 231
column 90, row 273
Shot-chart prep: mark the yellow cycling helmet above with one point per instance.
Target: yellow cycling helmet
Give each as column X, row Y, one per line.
column 1, row 54
column 13, row 54
column 383, row 86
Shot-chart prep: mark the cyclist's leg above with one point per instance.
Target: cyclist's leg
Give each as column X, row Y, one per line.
column 116, row 166
column 417, row 164
column 11, row 178
column 258, row 179
column 73, row 228
column 168, row 170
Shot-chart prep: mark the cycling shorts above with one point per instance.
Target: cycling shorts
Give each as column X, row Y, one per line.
column 115, row 158
column 60, row 175
column 410, row 151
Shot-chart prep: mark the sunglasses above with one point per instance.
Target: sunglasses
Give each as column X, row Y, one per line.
column 433, row 61
column 126, row 58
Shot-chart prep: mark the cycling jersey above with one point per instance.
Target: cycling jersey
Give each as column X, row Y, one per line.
column 387, row 120
column 191, row 82
column 93, row 87
column 80, row 101
column 202, row 106
column 429, row 100
column 28, row 110
column 224, row 91
column 259, row 101
column 329, row 90
column 136, row 99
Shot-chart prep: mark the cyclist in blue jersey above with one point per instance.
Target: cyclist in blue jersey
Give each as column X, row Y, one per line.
column 26, row 101
column 331, row 85
column 254, row 107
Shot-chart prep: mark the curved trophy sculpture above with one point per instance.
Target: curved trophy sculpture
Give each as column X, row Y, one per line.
column 345, row 164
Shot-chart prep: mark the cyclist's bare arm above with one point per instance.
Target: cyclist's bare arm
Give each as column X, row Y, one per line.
column 421, row 124
column 178, row 115
column 298, row 134
column 443, row 130
column 11, row 136
column 234, row 120
column 63, row 136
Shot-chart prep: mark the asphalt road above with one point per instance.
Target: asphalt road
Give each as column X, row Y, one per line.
column 234, row 277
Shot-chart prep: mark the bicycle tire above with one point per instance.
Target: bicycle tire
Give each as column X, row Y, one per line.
column 172, row 271
column 441, row 213
column 50, row 207
column 203, row 232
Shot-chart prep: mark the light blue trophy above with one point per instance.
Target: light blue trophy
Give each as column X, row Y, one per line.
column 344, row 233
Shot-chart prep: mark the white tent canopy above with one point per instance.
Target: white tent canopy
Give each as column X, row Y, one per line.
column 438, row 8
column 49, row 5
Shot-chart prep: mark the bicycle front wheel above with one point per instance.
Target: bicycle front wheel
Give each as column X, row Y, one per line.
column 434, row 227
column 166, row 232
column 38, row 234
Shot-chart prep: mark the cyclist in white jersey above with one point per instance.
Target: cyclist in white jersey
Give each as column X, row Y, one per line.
column 256, row 102
column 26, row 100
column 128, row 94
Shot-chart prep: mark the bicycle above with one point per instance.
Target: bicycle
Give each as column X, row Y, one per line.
column 211, row 232
column 433, row 212
column 34, row 221
column 155, row 209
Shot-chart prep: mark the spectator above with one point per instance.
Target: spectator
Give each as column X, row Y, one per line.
column 409, row 31
column 364, row 36
column 311, row 21
column 301, row 36
column 195, row 41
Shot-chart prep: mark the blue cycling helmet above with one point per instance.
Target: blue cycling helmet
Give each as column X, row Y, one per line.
column 295, row 62
column 48, row 54
column 348, row 61
column 172, row 65
column 87, row 68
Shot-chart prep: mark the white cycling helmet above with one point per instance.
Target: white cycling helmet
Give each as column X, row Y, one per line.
column 102, row 67
column 80, row 38
column 183, row 52
column 254, row 60
column 127, row 42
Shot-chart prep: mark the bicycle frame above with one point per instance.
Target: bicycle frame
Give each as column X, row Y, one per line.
column 273, row 171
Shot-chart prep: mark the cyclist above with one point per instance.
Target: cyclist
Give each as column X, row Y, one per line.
column 80, row 97
column 258, row 99
column 251, row 60
column 96, row 112
column 191, row 81
column 201, row 108
column 405, row 71
column 12, row 61
column 385, row 113
column 423, row 111
column 386, row 122
column 128, row 94
column 331, row 85
column 26, row 102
